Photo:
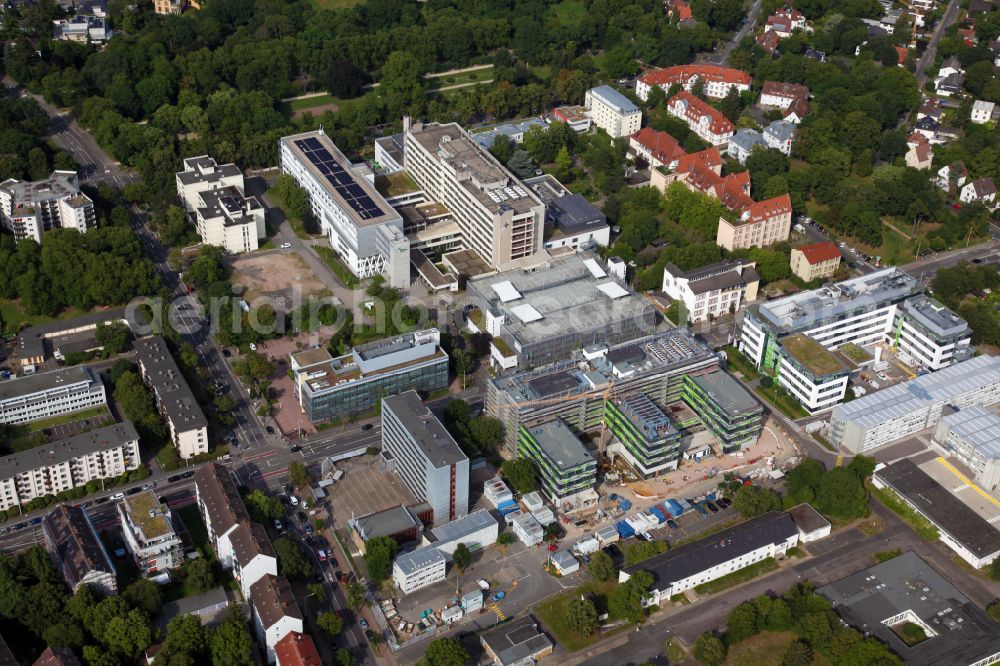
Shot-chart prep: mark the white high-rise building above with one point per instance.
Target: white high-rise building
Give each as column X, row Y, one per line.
column 351, row 213
column 213, row 196
column 613, row 112
column 29, row 208
column 499, row 218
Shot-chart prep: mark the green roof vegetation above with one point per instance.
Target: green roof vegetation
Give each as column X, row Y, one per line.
column 394, row 184
column 139, row 507
column 811, row 355
column 502, row 347
column 477, row 318
column 855, row 353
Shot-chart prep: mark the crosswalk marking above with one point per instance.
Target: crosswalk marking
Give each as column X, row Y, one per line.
column 958, row 489
column 840, row 461
column 496, row 609
column 994, row 519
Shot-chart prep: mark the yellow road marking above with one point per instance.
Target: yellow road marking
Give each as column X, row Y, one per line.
column 968, row 481
column 840, row 461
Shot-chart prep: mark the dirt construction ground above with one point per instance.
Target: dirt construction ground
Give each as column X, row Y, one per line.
column 276, row 274
column 317, row 111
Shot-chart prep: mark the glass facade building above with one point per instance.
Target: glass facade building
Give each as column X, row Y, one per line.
column 647, row 438
column 565, row 467
column 726, row 409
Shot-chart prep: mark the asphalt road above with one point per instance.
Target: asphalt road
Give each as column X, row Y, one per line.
column 746, row 29
column 949, row 16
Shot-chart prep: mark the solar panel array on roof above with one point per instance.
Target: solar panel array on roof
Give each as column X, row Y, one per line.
column 342, row 181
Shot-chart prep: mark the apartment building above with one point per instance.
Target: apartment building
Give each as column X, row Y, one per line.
column 704, row 120
column 500, row 219
column 684, row 567
column 353, row 384
column 34, row 397
column 202, row 174
column 725, row 408
column 815, row 261
column 416, row 446
column 761, row 223
column 84, row 29
column 863, row 311
column 79, row 555
column 149, row 534
column 717, row 80
column 645, row 437
column 565, row 467
column 782, row 95
column 973, row 436
column 27, row 209
column 297, row 649
column 418, row 568
column 541, row 316
column 228, row 219
column 275, row 612
column 742, row 143
column 221, row 508
column 575, row 389
column 253, row 555
column 174, row 400
column 656, row 148
column 713, row 290
column 877, row 419
column 779, row 135
column 347, row 206
column 613, row 112
column 103, row 453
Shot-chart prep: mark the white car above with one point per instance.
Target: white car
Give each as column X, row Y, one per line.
column 253, row 346
column 285, row 246
column 117, row 496
column 294, row 500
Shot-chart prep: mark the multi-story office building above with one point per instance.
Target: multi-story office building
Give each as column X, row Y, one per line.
column 973, row 436
column 221, row 508
column 72, row 541
column 576, row 389
column 275, row 612
column 46, row 394
column 570, row 220
column 761, row 223
column 500, row 219
column 329, row 388
column 419, row 568
column 814, row 261
column 202, row 174
column 69, row 463
column 542, row 316
column 645, row 437
column 725, row 408
column 30, row 208
column 881, row 307
column 149, row 533
column 349, row 209
column 704, row 120
column 613, row 112
column 565, row 467
column 174, row 400
column 877, row 419
column 712, row 290
column 425, row 456
column 228, row 219
column 717, row 80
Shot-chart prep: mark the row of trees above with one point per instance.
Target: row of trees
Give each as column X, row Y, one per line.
column 476, row 435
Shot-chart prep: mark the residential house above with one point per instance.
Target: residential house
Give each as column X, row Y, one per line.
column 704, row 120
column 817, row 260
column 712, row 290
column 920, row 155
column 56, row 656
column 781, row 95
column 951, row 177
column 982, row 190
column 769, row 41
column 253, row 555
column 84, row 29
column 275, row 613
column 931, row 106
column 682, row 11
column 785, row 21
column 297, row 649
column 950, row 77
column 812, row 54
column 715, row 79
column 982, row 112
column 742, row 143
column 926, row 126
column 779, row 135
column 221, row 508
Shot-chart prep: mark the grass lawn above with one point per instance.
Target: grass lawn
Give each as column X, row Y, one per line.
column 885, row 555
column 298, row 226
column 737, row 577
column 739, row 363
column 35, row 426
column 569, row 12
column 457, row 79
column 542, row 71
column 196, row 528
column 765, row 649
column 311, row 102
column 341, row 271
column 894, row 250
column 783, row 401
column 13, row 317
column 675, row 653
column 335, row 4
column 553, row 613
column 920, row 525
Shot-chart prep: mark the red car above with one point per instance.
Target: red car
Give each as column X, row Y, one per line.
column 553, row 547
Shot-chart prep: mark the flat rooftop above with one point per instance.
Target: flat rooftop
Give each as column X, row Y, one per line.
column 935, row 317
column 146, row 513
column 230, row 203
column 386, row 523
column 63, row 450
column 979, row 427
column 436, row 443
column 948, row 513
column 804, row 310
column 353, row 194
column 460, row 528
column 937, row 388
column 728, row 393
column 31, row 340
column 485, row 178
column 573, row 294
column 612, row 97
column 467, row 262
column 47, row 381
column 176, row 401
column 963, row 633
column 560, row 445
column 647, row 417
column 57, row 185
column 811, row 355
column 204, row 169
column 416, row 560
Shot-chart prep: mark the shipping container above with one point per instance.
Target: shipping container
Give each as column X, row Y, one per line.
column 624, row 529
column 660, row 514
column 607, row 535
column 674, row 507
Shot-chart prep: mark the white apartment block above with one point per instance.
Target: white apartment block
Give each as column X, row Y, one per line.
column 174, row 400
column 221, row 509
column 202, row 174
column 425, row 456
column 103, row 453
column 499, row 217
column 275, row 612
column 34, row 397
column 29, row 208
column 419, row 568
column 253, row 555
column 213, row 196
column 613, row 112
column 712, row 290
column 349, row 209
column 692, row 564
column 149, row 534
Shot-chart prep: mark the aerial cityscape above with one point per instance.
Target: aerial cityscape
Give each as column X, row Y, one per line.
column 394, row 332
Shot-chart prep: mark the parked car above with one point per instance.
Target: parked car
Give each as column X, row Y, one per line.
column 253, row 346
column 226, row 353
column 364, row 623
column 712, row 507
column 269, row 429
column 329, row 553
column 367, row 426
column 278, row 525
column 285, row 246
column 294, row 500
column 118, row 496
column 671, row 524
column 295, row 449
column 35, row 521
column 321, row 555
column 499, row 595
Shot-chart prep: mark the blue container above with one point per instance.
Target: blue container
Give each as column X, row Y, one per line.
column 659, row 513
column 674, row 507
column 709, row 497
column 624, row 505
column 624, row 529
column 507, row 507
